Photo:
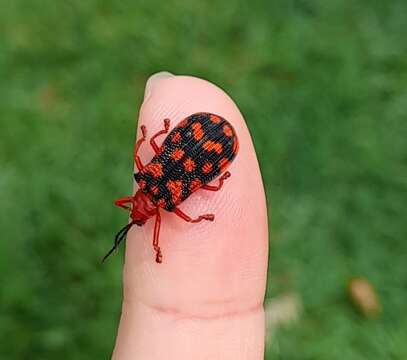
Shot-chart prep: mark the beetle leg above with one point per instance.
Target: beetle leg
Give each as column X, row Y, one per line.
column 182, row 215
column 137, row 147
column 124, row 200
column 153, row 144
column 158, row 255
column 220, row 183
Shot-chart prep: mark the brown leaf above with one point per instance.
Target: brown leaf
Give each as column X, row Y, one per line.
column 363, row 296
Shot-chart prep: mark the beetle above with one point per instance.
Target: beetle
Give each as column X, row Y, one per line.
column 196, row 151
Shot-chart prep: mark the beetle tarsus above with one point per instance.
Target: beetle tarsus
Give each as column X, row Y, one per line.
column 158, row 256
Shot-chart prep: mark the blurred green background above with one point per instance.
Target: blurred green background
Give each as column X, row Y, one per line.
column 323, row 86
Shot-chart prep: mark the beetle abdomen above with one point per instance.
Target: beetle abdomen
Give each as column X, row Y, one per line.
column 196, row 151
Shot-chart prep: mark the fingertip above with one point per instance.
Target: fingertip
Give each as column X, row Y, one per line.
column 240, row 226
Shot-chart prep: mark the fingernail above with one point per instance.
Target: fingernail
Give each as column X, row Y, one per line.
column 153, row 80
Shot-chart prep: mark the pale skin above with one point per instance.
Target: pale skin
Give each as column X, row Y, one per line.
column 205, row 300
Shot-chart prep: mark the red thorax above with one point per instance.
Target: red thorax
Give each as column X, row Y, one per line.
column 142, row 208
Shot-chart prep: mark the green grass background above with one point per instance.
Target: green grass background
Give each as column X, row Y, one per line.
column 323, row 87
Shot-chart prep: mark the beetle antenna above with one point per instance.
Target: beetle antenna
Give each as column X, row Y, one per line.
column 120, row 236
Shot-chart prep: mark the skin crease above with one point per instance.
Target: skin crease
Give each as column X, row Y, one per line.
column 205, row 300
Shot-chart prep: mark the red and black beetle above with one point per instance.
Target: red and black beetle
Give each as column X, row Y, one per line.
column 196, row 151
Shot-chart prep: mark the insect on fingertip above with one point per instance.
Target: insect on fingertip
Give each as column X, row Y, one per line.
column 194, row 153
